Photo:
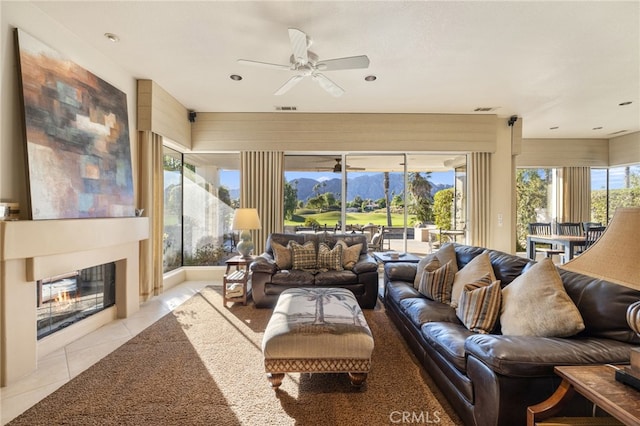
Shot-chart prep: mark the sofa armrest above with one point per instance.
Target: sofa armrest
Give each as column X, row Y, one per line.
column 365, row 263
column 400, row 271
column 526, row 356
column 265, row 264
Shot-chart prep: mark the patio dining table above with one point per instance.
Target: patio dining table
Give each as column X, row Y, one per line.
column 569, row 242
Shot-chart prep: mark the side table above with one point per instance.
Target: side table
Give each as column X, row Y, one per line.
column 596, row 383
column 235, row 284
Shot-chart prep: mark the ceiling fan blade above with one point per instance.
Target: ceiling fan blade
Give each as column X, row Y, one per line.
column 264, row 64
column 352, row 62
column 299, row 46
column 328, row 85
column 288, row 85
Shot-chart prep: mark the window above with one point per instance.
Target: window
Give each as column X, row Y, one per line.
column 172, row 236
column 322, row 192
column 624, row 188
column 534, row 200
column 211, row 193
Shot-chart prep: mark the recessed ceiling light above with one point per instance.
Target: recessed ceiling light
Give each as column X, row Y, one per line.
column 235, row 77
column 554, row 128
column 597, row 128
column 484, row 109
column 625, row 103
column 370, row 78
column 112, row 37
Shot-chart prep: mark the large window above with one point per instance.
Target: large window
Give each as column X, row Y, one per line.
column 201, row 192
column 397, row 191
column 211, row 193
column 534, row 200
column 172, row 235
column 613, row 188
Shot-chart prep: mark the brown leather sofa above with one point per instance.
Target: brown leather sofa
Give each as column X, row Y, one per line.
column 268, row 280
column 491, row 379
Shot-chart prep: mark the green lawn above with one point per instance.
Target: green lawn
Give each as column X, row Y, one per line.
column 333, row 217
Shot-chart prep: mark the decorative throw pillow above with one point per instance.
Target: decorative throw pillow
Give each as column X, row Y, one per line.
column 350, row 254
column 282, row 255
column 472, row 272
column 303, row 256
column 445, row 254
column 330, row 259
column 537, row 304
column 436, row 285
column 479, row 305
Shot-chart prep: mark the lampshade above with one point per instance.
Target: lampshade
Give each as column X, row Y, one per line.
column 245, row 219
column 614, row 257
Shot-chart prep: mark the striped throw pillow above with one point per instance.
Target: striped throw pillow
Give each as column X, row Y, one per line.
column 436, row 284
column 330, row 259
column 479, row 305
column 303, row 256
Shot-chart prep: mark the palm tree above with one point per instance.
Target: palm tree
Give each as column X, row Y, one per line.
column 319, row 296
column 386, row 197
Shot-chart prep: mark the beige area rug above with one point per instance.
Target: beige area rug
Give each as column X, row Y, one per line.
column 202, row 365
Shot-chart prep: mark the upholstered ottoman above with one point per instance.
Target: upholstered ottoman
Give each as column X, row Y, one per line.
column 317, row 330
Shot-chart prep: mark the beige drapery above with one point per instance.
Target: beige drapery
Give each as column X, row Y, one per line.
column 151, row 199
column 479, row 207
column 576, row 194
column 262, row 187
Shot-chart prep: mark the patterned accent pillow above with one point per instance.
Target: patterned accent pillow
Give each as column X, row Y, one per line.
column 282, row 255
column 330, row 259
column 350, row 254
column 303, row 256
column 479, row 305
column 446, row 253
column 436, row 285
column 472, row 272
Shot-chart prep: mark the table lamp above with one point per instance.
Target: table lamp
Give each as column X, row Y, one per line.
column 614, row 258
column 245, row 220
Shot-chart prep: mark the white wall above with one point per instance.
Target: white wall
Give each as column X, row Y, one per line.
column 27, row 17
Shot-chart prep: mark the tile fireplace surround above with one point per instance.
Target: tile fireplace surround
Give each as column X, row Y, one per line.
column 33, row 250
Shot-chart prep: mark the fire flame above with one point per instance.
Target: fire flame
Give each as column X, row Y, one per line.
column 63, row 296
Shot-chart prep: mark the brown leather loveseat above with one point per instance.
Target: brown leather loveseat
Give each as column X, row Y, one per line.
column 268, row 279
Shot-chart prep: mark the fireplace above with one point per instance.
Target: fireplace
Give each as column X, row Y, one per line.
column 65, row 299
column 35, row 253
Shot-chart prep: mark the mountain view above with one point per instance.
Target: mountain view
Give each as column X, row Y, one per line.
column 366, row 186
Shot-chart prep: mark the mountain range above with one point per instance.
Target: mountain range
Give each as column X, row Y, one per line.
column 366, row 186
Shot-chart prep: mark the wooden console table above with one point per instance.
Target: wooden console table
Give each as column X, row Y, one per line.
column 597, row 383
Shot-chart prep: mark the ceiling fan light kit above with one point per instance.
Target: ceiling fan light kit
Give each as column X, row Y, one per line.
column 307, row 64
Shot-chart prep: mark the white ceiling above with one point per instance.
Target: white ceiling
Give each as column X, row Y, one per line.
column 555, row 64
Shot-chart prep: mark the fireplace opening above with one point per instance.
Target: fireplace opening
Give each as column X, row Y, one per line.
column 69, row 298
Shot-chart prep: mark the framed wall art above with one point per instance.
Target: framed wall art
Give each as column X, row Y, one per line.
column 77, row 138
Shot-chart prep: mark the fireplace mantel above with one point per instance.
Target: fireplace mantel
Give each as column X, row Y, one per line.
column 32, row 250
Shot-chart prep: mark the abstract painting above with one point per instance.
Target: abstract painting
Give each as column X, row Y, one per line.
column 77, row 138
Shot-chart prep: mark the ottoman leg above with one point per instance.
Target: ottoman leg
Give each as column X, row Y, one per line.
column 357, row 379
column 275, row 379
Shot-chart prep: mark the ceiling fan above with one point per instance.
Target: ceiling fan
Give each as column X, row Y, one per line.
column 337, row 168
column 307, row 64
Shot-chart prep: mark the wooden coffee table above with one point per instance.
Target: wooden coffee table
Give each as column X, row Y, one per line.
column 597, row 383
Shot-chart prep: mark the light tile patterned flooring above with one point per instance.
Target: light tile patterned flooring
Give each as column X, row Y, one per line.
column 57, row 368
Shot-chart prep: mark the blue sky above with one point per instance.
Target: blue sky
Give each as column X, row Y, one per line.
column 231, row 179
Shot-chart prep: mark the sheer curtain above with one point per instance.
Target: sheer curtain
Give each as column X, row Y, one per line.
column 262, row 187
column 151, row 199
column 479, row 208
column 576, row 194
